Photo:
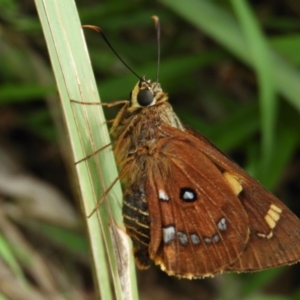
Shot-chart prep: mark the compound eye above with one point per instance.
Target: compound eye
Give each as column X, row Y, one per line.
column 145, row 97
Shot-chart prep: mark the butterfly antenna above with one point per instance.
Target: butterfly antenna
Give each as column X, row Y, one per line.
column 99, row 30
column 157, row 27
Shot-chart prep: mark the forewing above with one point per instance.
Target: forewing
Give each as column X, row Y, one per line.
column 198, row 226
column 274, row 229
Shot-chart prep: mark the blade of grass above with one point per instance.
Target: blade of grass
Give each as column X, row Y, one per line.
column 262, row 64
column 87, row 133
column 8, row 256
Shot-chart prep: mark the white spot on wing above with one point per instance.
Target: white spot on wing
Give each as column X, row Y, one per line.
column 222, row 224
column 216, row 238
column 168, row 234
column 183, row 239
column 163, row 196
column 207, row 240
column 195, row 239
column 188, row 195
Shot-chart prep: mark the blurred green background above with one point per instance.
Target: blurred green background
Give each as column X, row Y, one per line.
column 231, row 69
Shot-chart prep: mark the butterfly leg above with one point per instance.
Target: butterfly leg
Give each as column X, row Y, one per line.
column 125, row 104
column 106, row 104
column 94, row 153
column 120, row 116
column 103, row 196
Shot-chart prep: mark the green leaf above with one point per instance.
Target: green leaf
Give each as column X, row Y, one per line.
column 87, row 133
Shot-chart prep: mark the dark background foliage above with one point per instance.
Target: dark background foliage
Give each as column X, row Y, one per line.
column 42, row 240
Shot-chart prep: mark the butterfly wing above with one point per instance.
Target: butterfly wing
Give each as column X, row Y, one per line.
column 196, row 213
column 274, row 230
column 198, row 226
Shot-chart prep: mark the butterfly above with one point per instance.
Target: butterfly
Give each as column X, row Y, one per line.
column 186, row 205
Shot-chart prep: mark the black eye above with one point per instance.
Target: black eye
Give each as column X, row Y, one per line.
column 144, row 97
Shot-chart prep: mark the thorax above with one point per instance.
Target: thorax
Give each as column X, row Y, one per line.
column 137, row 130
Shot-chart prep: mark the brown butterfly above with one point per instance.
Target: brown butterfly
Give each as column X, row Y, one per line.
column 186, row 205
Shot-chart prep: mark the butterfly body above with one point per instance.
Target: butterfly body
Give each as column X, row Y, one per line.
column 187, row 206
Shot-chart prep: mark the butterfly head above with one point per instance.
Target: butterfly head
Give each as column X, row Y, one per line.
column 146, row 94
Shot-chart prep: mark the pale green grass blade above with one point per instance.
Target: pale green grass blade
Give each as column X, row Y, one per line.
column 3, row 297
column 87, row 133
column 8, row 256
column 263, row 66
